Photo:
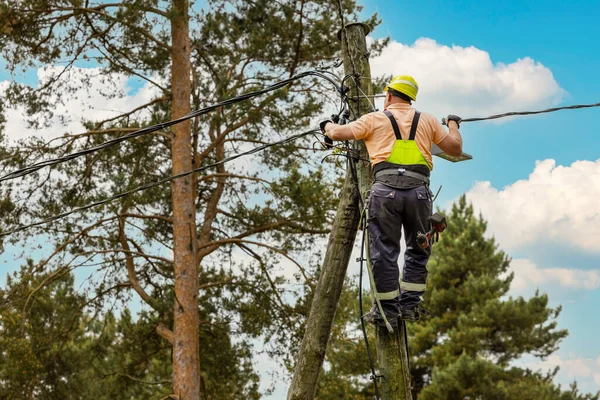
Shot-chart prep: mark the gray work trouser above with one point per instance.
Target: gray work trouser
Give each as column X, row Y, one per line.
column 391, row 209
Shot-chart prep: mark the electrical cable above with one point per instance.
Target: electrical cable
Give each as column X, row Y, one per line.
column 35, row 167
column 511, row 113
column 354, row 73
column 374, row 375
column 156, row 183
column 406, row 344
column 547, row 110
column 341, row 13
column 357, row 83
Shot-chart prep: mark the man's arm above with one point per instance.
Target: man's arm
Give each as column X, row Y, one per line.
column 338, row 132
column 452, row 144
column 355, row 130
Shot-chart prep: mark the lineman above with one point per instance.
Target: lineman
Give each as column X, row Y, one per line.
column 399, row 141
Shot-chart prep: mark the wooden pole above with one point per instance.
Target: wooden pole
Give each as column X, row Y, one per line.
column 327, row 293
column 392, row 357
column 339, row 248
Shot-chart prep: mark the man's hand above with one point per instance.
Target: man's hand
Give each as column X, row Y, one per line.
column 323, row 123
column 452, row 143
column 333, row 119
column 452, row 117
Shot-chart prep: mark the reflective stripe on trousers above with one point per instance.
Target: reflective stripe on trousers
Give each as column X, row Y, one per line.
column 391, row 209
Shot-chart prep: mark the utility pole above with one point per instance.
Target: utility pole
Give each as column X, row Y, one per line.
column 392, row 356
column 327, row 292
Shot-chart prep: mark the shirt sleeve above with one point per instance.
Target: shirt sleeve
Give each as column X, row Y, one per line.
column 439, row 133
column 362, row 127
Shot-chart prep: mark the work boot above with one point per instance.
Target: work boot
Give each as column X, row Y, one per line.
column 413, row 314
column 374, row 316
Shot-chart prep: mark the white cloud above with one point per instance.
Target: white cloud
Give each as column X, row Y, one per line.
column 88, row 102
column 557, row 204
column 528, row 275
column 464, row 81
column 572, row 368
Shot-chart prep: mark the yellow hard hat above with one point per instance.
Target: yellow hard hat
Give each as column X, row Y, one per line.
column 404, row 84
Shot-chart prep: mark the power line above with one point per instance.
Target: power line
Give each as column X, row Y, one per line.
column 157, row 183
column 547, row 110
column 35, row 167
column 511, row 113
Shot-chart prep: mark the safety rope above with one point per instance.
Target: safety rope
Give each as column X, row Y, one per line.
column 157, row 183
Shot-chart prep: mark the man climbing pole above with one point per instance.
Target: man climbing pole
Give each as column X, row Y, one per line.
column 399, row 141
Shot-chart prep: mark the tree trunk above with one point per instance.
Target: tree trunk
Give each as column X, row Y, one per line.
column 186, row 357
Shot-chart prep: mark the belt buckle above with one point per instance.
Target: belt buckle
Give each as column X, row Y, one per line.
column 401, row 171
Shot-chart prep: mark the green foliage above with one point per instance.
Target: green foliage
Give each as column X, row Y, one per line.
column 61, row 351
column 477, row 378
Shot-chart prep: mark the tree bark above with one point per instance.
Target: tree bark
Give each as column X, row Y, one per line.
column 186, row 354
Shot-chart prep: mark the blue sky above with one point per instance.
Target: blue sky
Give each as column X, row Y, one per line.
column 561, row 36
column 541, row 54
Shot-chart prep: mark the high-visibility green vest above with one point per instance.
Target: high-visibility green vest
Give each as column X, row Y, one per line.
column 406, row 152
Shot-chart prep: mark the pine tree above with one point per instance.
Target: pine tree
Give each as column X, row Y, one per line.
column 270, row 211
column 476, row 328
column 466, row 346
column 60, row 351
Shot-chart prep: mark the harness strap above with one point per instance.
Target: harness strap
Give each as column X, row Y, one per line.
column 413, row 127
column 403, row 172
column 389, row 114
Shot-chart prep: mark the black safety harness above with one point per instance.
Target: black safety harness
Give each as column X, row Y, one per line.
column 420, row 173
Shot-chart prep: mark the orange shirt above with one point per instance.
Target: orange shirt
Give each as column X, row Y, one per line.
column 376, row 130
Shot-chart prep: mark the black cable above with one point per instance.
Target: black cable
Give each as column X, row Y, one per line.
column 354, row 73
column 352, row 165
column 156, row 183
column 374, row 375
column 35, row 167
column 406, row 344
column 547, row 110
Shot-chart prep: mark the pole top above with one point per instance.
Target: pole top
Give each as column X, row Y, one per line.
column 365, row 28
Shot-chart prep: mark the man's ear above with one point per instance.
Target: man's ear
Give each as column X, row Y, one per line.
column 388, row 98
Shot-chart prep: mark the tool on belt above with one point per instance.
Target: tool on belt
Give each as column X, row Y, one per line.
column 438, row 225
